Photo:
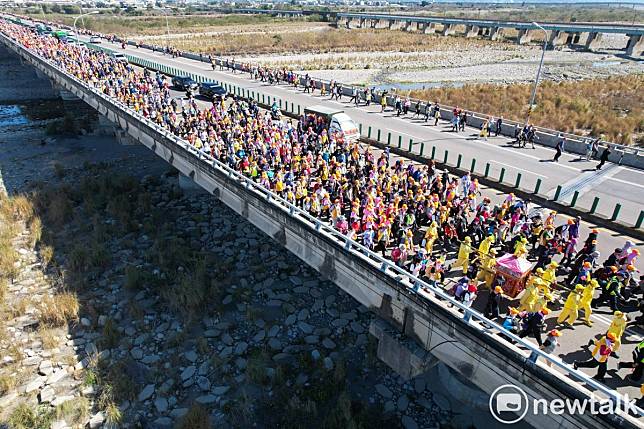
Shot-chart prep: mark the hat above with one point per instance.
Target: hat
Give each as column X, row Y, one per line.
column 594, row 231
column 579, row 288
column 613, row 268
column 545, row 311
column 493, row 251
column 539, row 270
column 610, row 336
column 468, row 239
column 587, row 264
column 555, row 333
column 554, row 264
column 618, row 313
column 498, row 289
column 513, row 311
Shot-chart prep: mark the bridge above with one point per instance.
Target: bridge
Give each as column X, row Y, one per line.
column 460, row 336
column 558, row 33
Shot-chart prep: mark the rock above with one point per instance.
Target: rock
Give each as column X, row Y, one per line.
column 206, row 399
column 97, row 420
column 191, row 356
column 227, row 339
column 177, row 413
column 227, row 300
column 303, row 314
column 419, row 385
column 102, row 320
column 46, row 395
column 203, row 383
column 146, row 393
column 136, row 353
column 240, row 363
column 82, row 364
column 311, row 339
column 273, row 331
column 301, row 379
column 162, row 423
column 88, row 391
column 408, row 422
column 305, row 327
column 389, row 406
column 403, row 403
column 384, row 391
column 161, row 404
column 340, row 323
column 45, row 368
column 315, row 355
column 204, row 368
column 357, row 327
column 283, row 358
column 259, row 336
column 150, row 359
column 188, row 372
column 220, row 390
column 85, row 322
column 328, row 363
column 362, row 340
column 61, row 400
column 241, row 348
column 35, row 384
column 8, row 399
column 328, row 343
column 275, row 344
column 211, row 333
column 226, row 352
column 59, row 424
column 329, row 300
column 291, row 319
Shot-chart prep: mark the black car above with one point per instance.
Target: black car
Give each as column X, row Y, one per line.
column 212, row 90
column 184, row 83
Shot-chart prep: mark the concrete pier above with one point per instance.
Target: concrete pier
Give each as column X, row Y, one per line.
column 525, row 36
column 592, row 41
column 635, row 46
column 448, row 29
column 496, row 33
column 558, row 38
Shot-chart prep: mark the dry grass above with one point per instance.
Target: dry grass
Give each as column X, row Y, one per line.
column 35, row 230
column 613, row 107
column 196, row 418
column 58, row 310
column 48, row 338
column 46, row 255
column 75, row 412
column 329, row 40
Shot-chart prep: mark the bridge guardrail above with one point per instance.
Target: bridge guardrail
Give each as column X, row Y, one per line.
column 409, row 284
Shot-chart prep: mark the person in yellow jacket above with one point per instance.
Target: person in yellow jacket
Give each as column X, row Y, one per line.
column 539, row 282
column 430, row 237
column 617, row 328
column 529, row 297
column 464, row 251
column 486, row 272
column 520, row 249
column 586, row 299
column 542, row 301
column 486, row 244
column 550, row 274
column 570, row 311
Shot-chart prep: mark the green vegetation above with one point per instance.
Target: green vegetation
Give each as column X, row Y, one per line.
column 612, row 107
column 197, row 417
column 26, row 417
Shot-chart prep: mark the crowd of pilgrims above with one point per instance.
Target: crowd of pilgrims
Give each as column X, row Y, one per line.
column 392, row 206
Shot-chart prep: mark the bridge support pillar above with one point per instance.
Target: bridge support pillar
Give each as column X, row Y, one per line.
column 635, row 45
column 525, row 36
column 472, row 31
column 410, row 26
column 558, row 38
column 373, row 23
column 496, row 33
column 592, row 41
column 188, row 186
column 448, row 29
column 67, row 95
column 576, row 37
column 124, row 138
column 362, row 23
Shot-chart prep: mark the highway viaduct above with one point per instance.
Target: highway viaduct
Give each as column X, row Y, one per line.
column 558, row 33
column 459, row 336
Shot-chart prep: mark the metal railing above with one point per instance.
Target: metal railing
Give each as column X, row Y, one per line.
column 409, row 283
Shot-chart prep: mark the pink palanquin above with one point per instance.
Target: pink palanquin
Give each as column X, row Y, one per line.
column 514, row 271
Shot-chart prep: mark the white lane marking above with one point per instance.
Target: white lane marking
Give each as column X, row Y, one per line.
column 520, row 169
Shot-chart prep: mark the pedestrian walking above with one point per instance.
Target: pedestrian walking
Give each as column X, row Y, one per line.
column 600, row 354
column 499, row 124
column 559, row 149
column 602, row 160
column 551, row 343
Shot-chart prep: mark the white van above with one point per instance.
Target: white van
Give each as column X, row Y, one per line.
column 336, row 120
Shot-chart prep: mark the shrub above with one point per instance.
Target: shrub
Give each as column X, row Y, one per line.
column 197, row 417
column 59, row 310
column 46, row 254
column 75, row 412
column 24, row 417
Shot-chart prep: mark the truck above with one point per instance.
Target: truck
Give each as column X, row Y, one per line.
column 336, row 121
